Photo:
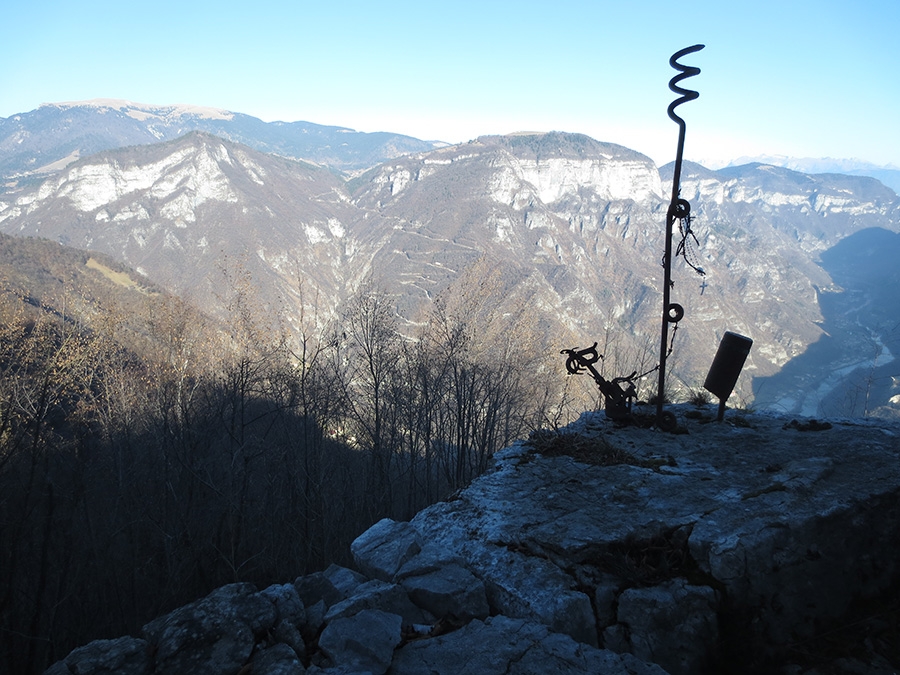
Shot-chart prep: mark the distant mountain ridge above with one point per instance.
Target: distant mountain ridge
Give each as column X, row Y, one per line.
column 52, row 136
column 889, row 175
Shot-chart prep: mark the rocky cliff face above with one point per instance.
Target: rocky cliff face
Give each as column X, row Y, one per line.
column 593, row 549
column 192, row 212
column 561, row 233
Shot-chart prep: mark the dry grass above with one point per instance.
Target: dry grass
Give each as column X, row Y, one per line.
column 119, row 278
column 595, row 450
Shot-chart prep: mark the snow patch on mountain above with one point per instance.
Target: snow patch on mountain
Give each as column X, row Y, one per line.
column 143, row 111
column 336, row 228
column 314, row 234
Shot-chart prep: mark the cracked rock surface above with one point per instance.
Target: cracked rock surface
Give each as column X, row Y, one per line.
column 784, row 526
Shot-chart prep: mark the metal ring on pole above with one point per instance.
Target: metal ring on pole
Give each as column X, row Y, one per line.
column 674, row 312
column 680, row 208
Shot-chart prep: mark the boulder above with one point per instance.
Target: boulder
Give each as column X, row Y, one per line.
column 381, row 551
column 279, row 659
column 516, row 584
column 315, row 618
column 500, row 645
column 123, row 656
column 363, row 642
column 287, row 603
column 672, row 624
column 381, row 596
column 214, row 635
column 344, row 580
column 449, row 592
column 286, row 632
column 331, row 586
column 431, row 558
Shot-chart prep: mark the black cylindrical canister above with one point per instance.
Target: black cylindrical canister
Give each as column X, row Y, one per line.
column 726, row 366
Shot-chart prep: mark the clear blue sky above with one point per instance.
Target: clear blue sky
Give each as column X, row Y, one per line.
column 792, row 77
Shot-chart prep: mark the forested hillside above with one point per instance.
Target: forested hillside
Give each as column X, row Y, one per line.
column 148, row 456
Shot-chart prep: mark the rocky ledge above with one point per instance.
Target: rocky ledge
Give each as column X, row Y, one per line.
column 725, row 547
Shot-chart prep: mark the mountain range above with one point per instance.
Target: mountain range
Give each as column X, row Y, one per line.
column 47, row 139
column 554, row 240
column 889, row 175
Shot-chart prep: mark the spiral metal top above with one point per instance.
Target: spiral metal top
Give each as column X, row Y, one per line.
column 686, row 72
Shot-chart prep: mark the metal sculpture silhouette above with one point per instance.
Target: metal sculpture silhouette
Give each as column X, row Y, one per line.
column 617, row 398
column 617, row 401
column 679, row 209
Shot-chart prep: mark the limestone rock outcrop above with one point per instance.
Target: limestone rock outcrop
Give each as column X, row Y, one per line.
column 595, row 549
